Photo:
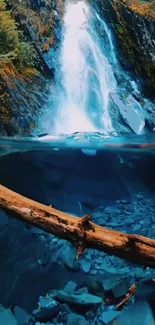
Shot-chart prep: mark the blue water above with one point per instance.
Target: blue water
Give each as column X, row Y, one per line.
column 88, row 143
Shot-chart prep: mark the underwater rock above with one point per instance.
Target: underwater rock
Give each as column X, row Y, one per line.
column 70, row 287
column 82, row 290
column 45, row 314
column 69, row 257
column 59, row 315
column 146, row 291
column 21, row 316
column 117, row 285
column 108, row 316
column 6, row 317
column 47, row 302
column 75, row 319
column 111, row 210
column 48, row 308
column 85, row 265
column 137, row 228
column 139, row 313
column 83, row 299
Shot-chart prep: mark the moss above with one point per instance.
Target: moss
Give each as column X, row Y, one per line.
column 126, row 16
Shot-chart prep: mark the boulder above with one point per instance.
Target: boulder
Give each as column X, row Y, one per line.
column 117, row 285
column 21, row 316
column 83, row 299
column 75, row 319
column 146, row 291
column 139, row 313
column 67, row 255
column 48, row 308
column 108, row 316
column 130, row 112
column 6, row 317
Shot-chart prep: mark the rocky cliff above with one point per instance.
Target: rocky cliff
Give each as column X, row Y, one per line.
column 133, row 23
column 24, row 65
column 24, row 81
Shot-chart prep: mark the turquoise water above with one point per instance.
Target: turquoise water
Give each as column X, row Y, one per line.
column 88, row 142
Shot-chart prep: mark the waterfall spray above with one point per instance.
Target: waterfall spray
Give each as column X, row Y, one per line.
column 86, row 76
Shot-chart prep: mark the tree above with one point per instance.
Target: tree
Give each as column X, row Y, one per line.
column 12, row 49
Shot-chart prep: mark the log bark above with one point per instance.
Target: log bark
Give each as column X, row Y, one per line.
column 80, row 231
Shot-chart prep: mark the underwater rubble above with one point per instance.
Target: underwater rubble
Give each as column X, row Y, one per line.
column 88, row 291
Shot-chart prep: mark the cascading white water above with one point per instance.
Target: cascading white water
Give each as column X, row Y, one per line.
column 86, row 75
column 93, row 92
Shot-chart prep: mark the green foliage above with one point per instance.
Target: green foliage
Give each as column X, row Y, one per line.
column 25, row 55
column 8, row 30
column 153, row 5
column 11, row 42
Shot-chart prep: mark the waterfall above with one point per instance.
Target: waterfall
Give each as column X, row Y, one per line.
column 86, row 76
column 93, row 92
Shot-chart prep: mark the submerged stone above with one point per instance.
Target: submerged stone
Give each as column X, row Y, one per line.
column 108, row 316
column 136, row 228
column 21, row 316
column 75, row 319
column 67, row 255
column 85, row 265
column 84, row 299
column 46, row 302
column 139, row 313
column 70, row 287
column 111, row 210
column 6, row 317
column 146, row 291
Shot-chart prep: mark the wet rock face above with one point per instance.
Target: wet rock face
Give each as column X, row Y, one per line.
column 135, row 38
column 24, row 94
column 21, row 105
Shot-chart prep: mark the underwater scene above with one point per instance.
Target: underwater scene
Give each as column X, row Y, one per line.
column 77, row 162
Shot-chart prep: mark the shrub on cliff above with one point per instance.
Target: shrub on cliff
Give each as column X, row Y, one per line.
column 9, row 37
column 11, row 47
column 25, row 55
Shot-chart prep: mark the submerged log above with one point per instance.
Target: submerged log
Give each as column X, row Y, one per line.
column 80, row 231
